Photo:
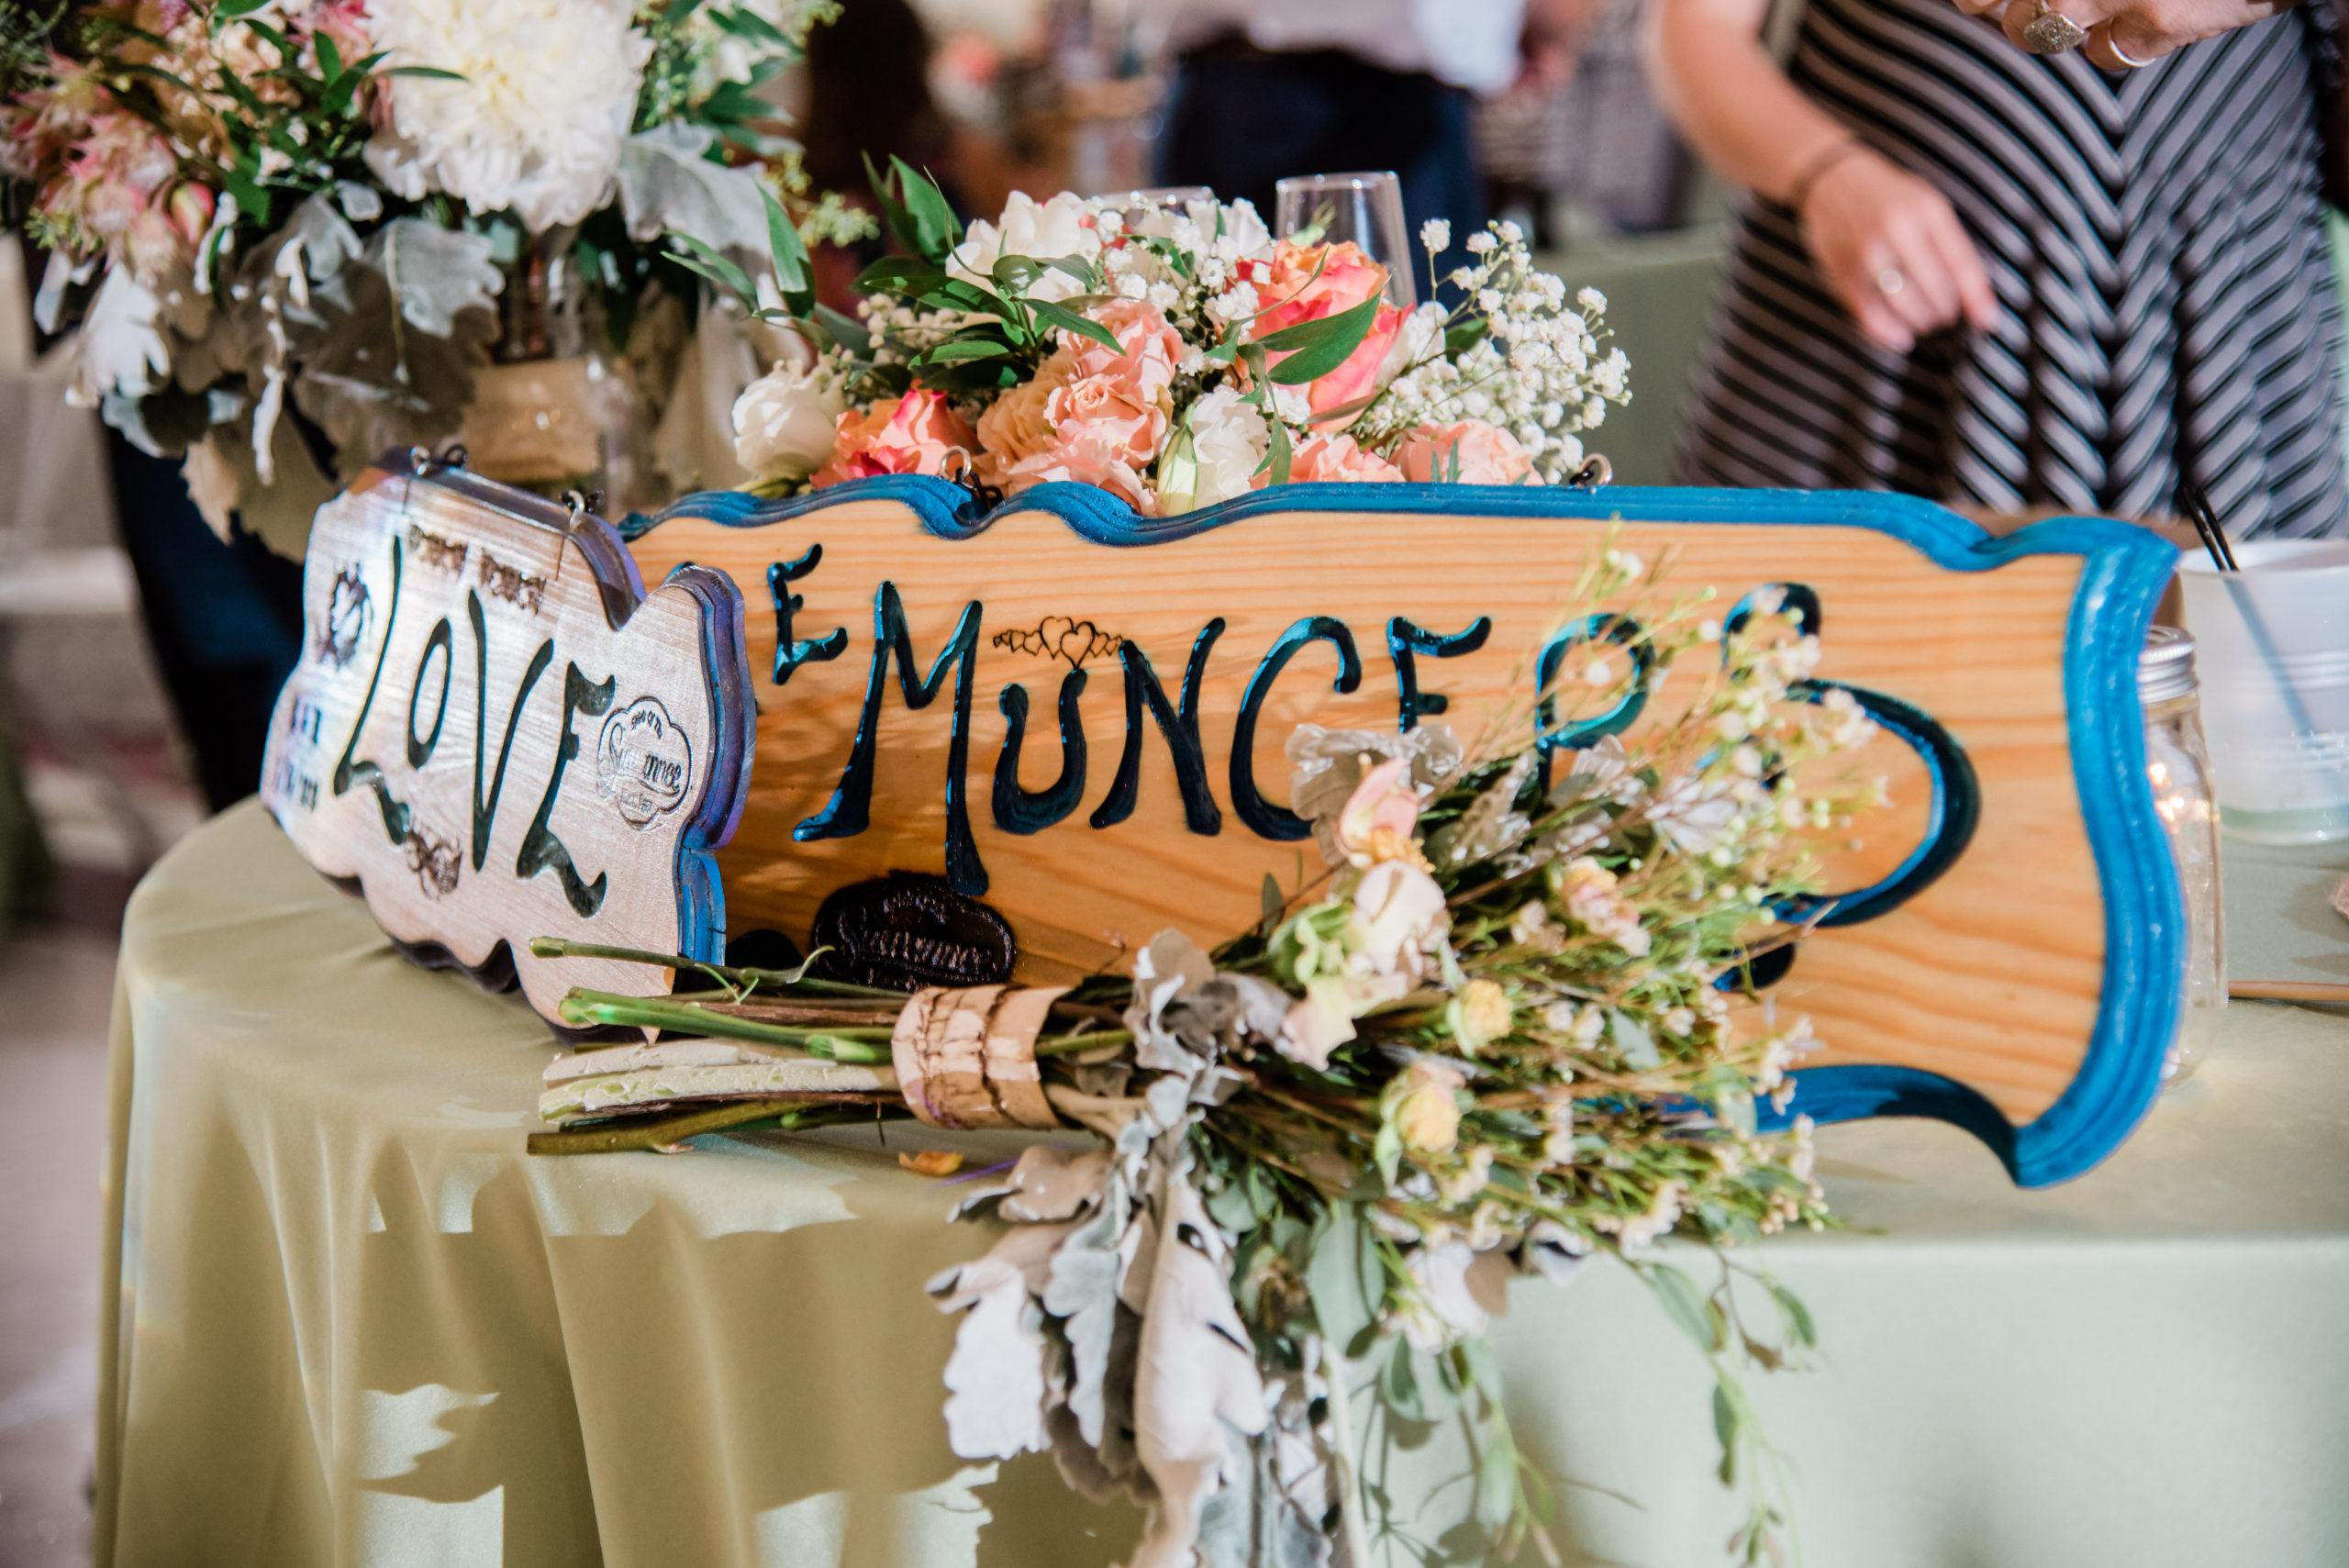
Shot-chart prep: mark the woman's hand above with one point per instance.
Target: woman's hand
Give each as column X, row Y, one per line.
column 2124, row 34
column 1892, row 249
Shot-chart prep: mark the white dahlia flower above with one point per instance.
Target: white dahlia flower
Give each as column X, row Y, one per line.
column 535, row 126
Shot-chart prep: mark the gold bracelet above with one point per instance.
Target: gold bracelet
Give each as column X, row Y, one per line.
column 1826, row 158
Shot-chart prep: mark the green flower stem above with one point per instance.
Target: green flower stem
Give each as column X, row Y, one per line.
column 588, row 1008
column 778, row 979
column 1070, row 1045
column 651, row 1133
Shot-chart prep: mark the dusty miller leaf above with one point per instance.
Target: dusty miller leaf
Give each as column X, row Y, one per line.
column 668, row 186
column 436, row 273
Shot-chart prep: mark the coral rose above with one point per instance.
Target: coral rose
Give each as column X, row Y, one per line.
column 1484, row 454
column 1345, row 278
column 1018, row 425
column 911, row 434
column 1092, row 413
column 1336, row 458
column 1149, row 350
column 1082, row 462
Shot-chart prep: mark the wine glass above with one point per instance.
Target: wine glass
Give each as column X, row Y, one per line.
column 1365, row 207
column 1160, row 198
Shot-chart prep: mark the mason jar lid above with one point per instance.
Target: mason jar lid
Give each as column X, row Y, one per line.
column 2166, row 669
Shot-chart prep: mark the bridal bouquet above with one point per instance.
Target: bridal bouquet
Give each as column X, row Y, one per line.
column 258, row 207
column 1498, row 1035
column 1175, row 357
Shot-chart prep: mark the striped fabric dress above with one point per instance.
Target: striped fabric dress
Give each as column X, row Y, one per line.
column 2157, row 246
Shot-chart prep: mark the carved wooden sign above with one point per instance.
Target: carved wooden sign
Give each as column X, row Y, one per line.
column 498, row 734
column 1077, row 716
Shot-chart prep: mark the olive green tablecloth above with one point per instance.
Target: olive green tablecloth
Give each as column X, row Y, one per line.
column 357, row 1324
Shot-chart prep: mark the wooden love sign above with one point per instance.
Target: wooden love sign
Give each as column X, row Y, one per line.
column 498, row 734
column 2007, row 950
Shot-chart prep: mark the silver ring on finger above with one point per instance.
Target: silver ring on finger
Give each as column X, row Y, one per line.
column 2126, row 60
column 1890, row 281
column 2050, row 32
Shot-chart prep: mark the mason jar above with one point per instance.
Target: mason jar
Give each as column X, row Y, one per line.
column 2177, row 765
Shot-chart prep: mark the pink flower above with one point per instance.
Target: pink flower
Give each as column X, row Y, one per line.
column 1379, row 819
column 1484, row 453
column 1149, row 350
column 1093, row 415
column 190, row 210
column 1337, row 460
column 1018, row 425
column 1345, row 278
column 1082, row 462
column 911, row 434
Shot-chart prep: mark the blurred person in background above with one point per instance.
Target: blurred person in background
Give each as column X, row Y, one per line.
column 1972, row 273
column 1266, row 89
column 868, row 97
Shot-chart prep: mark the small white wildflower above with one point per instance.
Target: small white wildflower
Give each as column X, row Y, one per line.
column 1436, row 235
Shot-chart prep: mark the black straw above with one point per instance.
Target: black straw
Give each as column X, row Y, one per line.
column 2206, row 523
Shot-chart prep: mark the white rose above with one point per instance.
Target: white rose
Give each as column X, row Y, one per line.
column 785, row 423
column 1056, row 228
column 1229, row 438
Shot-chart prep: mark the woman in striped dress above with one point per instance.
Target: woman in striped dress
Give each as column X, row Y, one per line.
column 1975, row 275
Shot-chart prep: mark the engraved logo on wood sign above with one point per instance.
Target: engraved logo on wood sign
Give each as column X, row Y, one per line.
column 909, row 929
column 429, row 743
column 644, row 763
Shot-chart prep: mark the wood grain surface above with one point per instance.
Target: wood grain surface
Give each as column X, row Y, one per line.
column 1990, row 977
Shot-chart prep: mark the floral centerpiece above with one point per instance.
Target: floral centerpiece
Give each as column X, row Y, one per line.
column 1499, row 1034
column 1174, row 358
column 285, row 226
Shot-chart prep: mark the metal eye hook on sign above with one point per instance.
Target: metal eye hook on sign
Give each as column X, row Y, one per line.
column 1595, row 473
column 958, row 468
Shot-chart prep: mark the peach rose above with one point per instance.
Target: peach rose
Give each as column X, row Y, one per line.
column 911, row 434
column 1150, row 349
column 1018, row 425
column 1337, row 460
column 1486, row 454
column 1101, row 412
column 1092, row 413
column 1083, row 463
column 1346, row 278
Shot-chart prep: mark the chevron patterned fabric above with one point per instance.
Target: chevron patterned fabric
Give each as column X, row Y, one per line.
column 2157, row 241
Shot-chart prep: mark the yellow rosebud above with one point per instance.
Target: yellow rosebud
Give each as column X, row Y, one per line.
column 1427, row 1116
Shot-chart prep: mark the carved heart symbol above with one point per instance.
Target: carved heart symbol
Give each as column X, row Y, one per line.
column 1054, row 633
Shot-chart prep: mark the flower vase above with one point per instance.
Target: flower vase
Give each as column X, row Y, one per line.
column 555, row 410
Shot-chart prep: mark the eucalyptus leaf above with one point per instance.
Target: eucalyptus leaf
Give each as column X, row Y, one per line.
column 1797, row 1315
column 964, row 349
column 1725, row 1429
column 935, row 228
column 1314, row 348
column 1685, row 1304
column 702, row 259
column 1399, row 1382
column 793, row 273
column 1068, row 320
column 846, row 331
column 1633, row 1038
column 899, row 222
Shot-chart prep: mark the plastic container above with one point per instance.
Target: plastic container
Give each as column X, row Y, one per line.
column 2178, row 765
column 2271, row 641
